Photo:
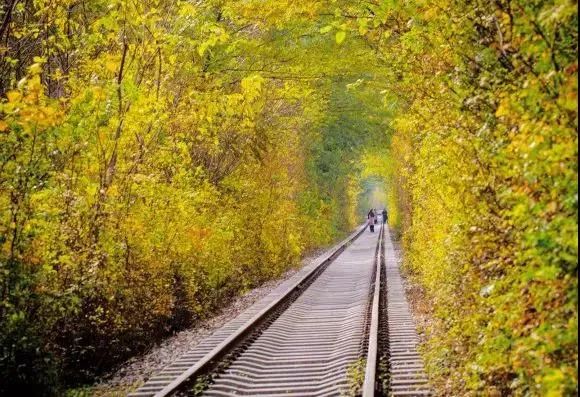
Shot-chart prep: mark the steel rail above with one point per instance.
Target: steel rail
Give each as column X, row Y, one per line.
column 307, row 335
column 314, row 348
column 369, row 385
column 174, row 378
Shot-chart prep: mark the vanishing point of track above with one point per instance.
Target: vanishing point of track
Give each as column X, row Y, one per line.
column 340, row 326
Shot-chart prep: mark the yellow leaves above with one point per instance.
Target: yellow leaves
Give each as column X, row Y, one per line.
column 355, row 85
column 198, row 236
column 279, row 13
column 340, row 34
column 405, row 124
column 552, row 207
column 34, row 88
column 98, row 92
column 552, row 382
column 187, row 9
column 252, row 86
column 216, row 35
column 326, row 29
column 14, row 96
column 217, row 137
column 111, row 64
column 504, row 108
column 203, row 48
column 568, row 98
column 36, row 67
column 363, row 26
column 28, row 107
column 431, row 13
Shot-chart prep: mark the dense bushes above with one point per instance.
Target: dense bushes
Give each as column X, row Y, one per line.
column 148, row 173
column 485, row 146
column 166, row 155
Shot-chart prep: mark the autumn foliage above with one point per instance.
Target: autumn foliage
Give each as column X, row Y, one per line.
column 484, row 168
column 159, row 157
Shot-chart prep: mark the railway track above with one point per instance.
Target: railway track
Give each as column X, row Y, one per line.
column 340, row 326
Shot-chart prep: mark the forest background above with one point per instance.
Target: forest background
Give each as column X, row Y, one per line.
column 168, row 155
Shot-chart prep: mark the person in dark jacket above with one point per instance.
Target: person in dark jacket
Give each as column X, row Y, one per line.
column 385, row 216
column 371, row 220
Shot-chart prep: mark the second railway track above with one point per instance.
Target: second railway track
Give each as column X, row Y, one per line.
column 314, row 335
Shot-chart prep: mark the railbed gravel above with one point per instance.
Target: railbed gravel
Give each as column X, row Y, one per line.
column 137, row 370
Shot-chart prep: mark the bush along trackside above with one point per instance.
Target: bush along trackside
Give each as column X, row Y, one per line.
column 149, row 171
column 483, row 167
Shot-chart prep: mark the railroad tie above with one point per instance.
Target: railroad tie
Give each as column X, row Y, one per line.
column 309, row 349
column 407, row 375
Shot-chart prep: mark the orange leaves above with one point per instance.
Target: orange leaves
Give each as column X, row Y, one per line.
column 28, row 107
column 198, row 236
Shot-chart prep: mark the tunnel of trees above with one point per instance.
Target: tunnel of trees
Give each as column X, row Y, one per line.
column 158, row 157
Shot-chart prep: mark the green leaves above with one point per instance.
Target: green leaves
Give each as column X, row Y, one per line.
column 326, row 29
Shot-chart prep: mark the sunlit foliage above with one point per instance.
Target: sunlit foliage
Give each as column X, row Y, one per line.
column 158, row 157
column 485, row 159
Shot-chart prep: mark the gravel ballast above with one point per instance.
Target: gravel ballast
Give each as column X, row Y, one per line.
column 137, row 370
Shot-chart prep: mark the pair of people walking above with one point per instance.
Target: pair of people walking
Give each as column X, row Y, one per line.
column 372, row 218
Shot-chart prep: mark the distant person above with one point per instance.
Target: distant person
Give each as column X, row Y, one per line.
column 385, row 216
column 371, row 219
